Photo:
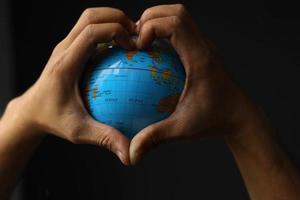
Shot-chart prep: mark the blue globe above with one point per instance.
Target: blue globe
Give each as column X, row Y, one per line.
column 130, row 90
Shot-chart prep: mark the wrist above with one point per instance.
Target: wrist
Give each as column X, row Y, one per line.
column 250, row 127
column 254, row 139
column 16, row 122
column 18, row 139
column 262, row 163
column 253, row 125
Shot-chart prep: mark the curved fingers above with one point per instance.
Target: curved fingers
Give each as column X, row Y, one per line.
column 98, row 16
column 153, row 135
column 76, row 55
column 161, row 11
column 89, row 131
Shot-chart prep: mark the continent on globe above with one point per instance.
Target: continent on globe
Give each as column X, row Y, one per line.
column 166, row 74
column 155, row 55
column 130, row 54
column 153, row 72
column 130, row 90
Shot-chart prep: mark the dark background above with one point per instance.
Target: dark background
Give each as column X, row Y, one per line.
column 260, row 46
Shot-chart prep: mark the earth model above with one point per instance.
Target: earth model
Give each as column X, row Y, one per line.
column 130, row 90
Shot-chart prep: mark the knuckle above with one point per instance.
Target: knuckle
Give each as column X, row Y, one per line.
column 123, row 19
column 147, row 14
column 181, row 10
column 88, row 15
column 91, row 15
column 56, row 67
column 89, row 32
column 58, row 47
column 12, row 103
column 61, row 60
column 176, row 21
column 119, row 13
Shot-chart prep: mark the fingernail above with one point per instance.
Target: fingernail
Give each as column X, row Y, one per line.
column 137, row 26
column 133, row 158
column 138, row 45
column 132, row 43
column 137, row 23
column 121, row 156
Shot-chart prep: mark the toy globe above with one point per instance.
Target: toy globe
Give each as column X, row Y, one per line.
column 130, row 90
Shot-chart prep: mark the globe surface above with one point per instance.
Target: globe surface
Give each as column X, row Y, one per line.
column 130, row 90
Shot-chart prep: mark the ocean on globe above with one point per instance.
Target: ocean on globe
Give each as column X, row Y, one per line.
column 130, row 90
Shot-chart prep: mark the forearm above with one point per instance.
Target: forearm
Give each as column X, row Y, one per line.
column 16, row 145
column 266, row 170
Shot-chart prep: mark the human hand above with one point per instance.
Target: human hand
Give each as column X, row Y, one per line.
column 53, row 104
column 211, row 104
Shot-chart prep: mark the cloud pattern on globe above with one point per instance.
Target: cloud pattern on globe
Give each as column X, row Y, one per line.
column 130, row 90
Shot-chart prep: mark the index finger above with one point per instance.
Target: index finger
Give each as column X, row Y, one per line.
column 161, row 11
column 97, row 16
column 79, row 51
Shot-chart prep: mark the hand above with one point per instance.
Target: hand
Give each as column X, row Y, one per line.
column 53, row 104
column 211, row 104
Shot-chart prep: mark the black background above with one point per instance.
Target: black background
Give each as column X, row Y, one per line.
column 260, row 46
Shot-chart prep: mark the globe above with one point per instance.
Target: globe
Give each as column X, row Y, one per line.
column 130, row 90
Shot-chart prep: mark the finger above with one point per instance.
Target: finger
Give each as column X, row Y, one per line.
column 97, row 16
column 159, row 27
column 150, row 137
column 161, row 11
column 178, row 31
column 170, row 28
column 77, row 54
column 93, row 132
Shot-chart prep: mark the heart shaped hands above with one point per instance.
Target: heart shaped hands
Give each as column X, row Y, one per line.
column 211, row 104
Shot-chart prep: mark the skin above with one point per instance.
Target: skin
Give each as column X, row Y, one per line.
column 53, row 103
column 211, row 104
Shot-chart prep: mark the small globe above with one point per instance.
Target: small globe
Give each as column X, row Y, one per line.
column 130, row 90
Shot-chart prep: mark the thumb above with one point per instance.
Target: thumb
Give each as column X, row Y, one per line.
column 150, row 137
column 93, row 132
